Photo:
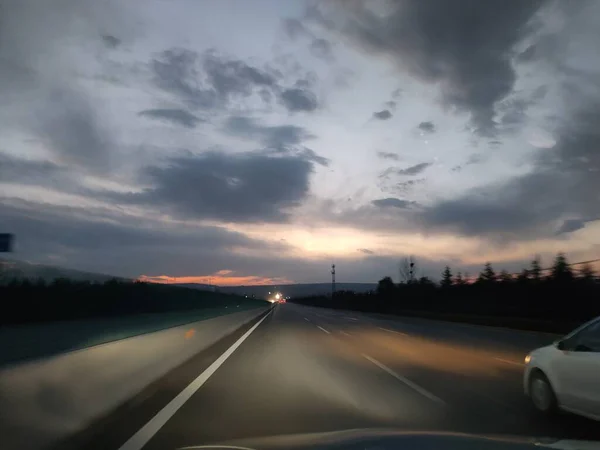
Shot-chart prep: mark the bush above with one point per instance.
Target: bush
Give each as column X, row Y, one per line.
column 63, row 299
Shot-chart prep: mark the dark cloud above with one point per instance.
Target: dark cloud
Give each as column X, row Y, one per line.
column 427, row 127
column 560, row 192
column 343, row 77
column 131, row 246
column 25, row 171
column 404, row 187
column 319, row 47
column 243, row 187
column 208, row 80
column 477, row 215
column 278, row 140
column 309, row 155
column 46, row 51
column 389, row 156
column 297, row 151
column 111, row 41
column 392, row 202
column 211, row 81
column 571, row 225
column 391, row 104
column 121, row 245
column 468, row 55
column 303, row 83
column 529, row 54
column 306, row 80
column 366, row 251
column 294, row 28
column 266, row 96
column 176, row 71
column 544, row 47
column 322, row 48
column 389, row 213
column 513, row 111
column 382, row 115
column 69, row 126
column 41, row 173
column 409, row 171
column 539, row 93
column 76, row 228
column 272, row 136
column 475, row 158
column 388, row 180
column 233, row 77
column 299, row 100
column 288, row 66
column 177, row 116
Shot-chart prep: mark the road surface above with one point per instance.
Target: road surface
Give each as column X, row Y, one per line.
column 307, row 369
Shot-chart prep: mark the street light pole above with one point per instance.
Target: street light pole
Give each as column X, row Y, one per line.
column 332, row 280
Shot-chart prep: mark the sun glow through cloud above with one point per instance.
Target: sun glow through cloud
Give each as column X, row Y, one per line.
column 172, row 146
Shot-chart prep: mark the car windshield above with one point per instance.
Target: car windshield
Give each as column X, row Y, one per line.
column 233, row 219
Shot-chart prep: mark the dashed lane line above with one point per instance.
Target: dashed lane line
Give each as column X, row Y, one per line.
column 393, row 331
column 406, row 381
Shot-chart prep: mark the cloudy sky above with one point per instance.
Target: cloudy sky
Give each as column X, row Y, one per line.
column 260, row 141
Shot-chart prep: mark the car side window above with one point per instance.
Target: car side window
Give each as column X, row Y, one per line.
column 588, row 339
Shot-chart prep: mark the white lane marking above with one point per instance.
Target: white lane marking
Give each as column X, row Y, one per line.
column 344, row 333
column 393, row 331
column 306, row 319
column 323, row 329
column 144, row 434
column 406, row 381
column 510, row 362
column 350, row 318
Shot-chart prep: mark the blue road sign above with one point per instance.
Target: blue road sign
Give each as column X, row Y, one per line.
column 6, row 241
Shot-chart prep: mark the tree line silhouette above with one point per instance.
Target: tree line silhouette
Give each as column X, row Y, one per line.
column 24, row 300
column 553, row 299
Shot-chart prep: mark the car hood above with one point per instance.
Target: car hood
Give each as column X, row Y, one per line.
column 545, row 349
column 378, row 439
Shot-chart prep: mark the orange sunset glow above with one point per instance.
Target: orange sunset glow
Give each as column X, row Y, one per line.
column 220, row 278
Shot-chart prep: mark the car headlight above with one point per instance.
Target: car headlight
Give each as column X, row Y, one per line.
column 528, row 358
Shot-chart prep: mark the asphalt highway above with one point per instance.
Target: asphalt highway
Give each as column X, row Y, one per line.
column 304, row 369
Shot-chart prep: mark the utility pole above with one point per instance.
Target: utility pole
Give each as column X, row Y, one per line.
column 332, row 279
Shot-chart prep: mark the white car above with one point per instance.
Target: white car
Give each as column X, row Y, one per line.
column 566, row 374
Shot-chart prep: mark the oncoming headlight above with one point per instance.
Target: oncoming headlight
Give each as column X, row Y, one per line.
column 527, row 359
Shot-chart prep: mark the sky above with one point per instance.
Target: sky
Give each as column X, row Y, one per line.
column 258, row 142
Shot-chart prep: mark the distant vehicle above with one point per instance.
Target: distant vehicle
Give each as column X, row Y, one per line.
column 566, row 374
